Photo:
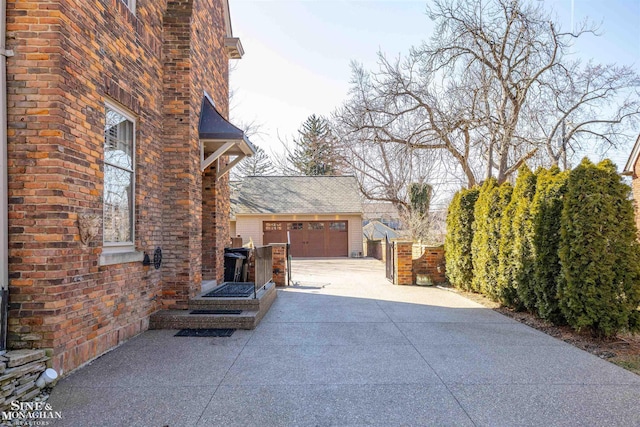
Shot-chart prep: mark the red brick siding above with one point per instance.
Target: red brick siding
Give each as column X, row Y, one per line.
column 71, row 56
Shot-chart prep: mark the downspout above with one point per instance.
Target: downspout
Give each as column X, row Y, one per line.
column 4, row 177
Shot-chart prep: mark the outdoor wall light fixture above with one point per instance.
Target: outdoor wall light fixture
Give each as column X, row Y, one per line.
column 157, row 258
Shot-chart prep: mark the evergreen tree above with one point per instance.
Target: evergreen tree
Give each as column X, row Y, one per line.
column 546, row 213
column 457, row 244
column 315, row 152
column 417, row 218
column 600, row 256
column 516, row 263
column 492, row 201
column 259, row 164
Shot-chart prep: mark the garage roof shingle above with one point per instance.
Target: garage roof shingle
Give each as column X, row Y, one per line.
column 297, row 195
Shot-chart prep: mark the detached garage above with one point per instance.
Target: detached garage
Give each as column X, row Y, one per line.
column 320, row 215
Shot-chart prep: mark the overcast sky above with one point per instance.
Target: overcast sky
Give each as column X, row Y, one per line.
column 297, row 52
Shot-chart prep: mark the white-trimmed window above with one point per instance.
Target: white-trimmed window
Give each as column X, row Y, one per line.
column 119, row 179
column 131, row 4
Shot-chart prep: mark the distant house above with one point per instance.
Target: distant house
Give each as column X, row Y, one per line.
column 375, row 235
column 383, row 212
column 321, row 216
column 375, row 230
column 632, row 168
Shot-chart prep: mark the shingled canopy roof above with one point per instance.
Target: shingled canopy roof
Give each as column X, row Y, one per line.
column 220, row 138
column 307, row 195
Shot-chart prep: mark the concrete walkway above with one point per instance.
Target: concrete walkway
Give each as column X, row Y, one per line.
column 347, row 348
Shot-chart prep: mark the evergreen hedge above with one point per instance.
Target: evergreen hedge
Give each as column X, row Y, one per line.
column 599, row 253
column 546, row 217
column 485, row 248
column 457, row 244
column 515, row 256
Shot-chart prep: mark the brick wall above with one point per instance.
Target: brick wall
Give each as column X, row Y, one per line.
column 412, row 259
column 429, row 261
column 71, row 56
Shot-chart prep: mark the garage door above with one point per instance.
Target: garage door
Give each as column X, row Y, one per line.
column 310, row 238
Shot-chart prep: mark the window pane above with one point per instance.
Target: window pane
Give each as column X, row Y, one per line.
column 118, row 140
column 294, row 226
column 272, row 226
column 316, row 226
column 117, row 205
column 338, row 226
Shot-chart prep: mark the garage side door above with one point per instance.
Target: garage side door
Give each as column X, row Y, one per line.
column 338, row 238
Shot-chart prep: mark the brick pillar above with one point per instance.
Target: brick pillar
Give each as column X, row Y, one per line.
column 279, row 253
column 182, row 181
column 403, row 274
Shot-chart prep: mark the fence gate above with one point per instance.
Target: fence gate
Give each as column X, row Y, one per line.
column 389, row 259
column 264, row 265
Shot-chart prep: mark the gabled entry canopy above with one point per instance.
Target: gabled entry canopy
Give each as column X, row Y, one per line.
column 220, row 138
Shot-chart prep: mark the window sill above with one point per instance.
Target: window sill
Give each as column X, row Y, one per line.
column 111, row 258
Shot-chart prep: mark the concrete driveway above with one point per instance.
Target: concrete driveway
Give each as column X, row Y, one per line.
column 344, row 347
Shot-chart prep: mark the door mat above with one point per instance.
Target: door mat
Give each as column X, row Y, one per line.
column 205, row 333
column 231, row 290
column 212, row 311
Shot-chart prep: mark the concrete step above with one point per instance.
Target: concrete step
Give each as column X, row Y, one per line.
column 182, row 319
column 249, row 303
column 253, row 310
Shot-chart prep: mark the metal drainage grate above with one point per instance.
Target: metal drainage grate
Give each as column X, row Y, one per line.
column 215, row 312
column 205, row 333
column 231, row 290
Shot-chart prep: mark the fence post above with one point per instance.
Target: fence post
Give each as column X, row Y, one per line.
column 279, row 263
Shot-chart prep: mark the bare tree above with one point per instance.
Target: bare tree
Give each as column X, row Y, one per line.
column 388, row 173
column 583, row 103
column 492, row 89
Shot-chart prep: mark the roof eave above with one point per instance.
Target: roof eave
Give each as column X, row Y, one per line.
column 633, row 159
